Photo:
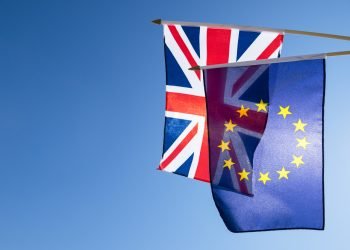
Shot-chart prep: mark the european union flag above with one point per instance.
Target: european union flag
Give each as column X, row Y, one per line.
column 265, row 126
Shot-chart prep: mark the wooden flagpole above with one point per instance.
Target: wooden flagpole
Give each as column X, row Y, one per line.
column 253, row 28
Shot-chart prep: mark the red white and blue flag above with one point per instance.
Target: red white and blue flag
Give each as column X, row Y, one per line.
column 185, row 148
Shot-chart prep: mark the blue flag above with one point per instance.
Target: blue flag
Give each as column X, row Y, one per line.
column 265, row 126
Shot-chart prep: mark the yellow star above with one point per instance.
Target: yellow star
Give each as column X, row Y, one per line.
column 224, row 145
column 243, row 111
column 261, row 106
column 228, row 163
column 244, row 175
column 302, row 142
column 230, row 126
column 299, row 126
column 264, row 177
column 283, row 173
column 284, row 112
column 297, row 160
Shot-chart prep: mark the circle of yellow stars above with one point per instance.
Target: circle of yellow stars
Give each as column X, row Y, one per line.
column 283, row 173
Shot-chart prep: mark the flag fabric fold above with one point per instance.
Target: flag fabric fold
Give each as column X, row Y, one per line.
column 265, row 126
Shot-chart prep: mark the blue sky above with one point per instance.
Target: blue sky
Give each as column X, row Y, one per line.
column 81, row 119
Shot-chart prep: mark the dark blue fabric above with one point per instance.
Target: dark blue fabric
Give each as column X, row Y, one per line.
column 174, row 73
column 173, row 129
column 250, row 143
column 192, row 34
column 245, row 39
column 184, row 169
column 260, row 87
column 296, row 202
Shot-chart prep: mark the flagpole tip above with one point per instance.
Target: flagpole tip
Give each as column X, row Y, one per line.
column 195, row 68
column 157, row 21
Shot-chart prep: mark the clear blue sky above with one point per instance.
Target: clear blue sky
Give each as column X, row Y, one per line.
column 81, row 118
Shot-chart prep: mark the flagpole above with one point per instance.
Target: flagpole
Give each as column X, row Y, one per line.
column 338, row 53
column 257, row 29
column 274, row 60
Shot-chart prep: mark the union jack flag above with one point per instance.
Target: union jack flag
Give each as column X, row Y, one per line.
column 185, row 148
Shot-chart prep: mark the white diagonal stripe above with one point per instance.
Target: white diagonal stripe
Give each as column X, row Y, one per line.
column 258, row 46
column 232, row 57
column 182, row 61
